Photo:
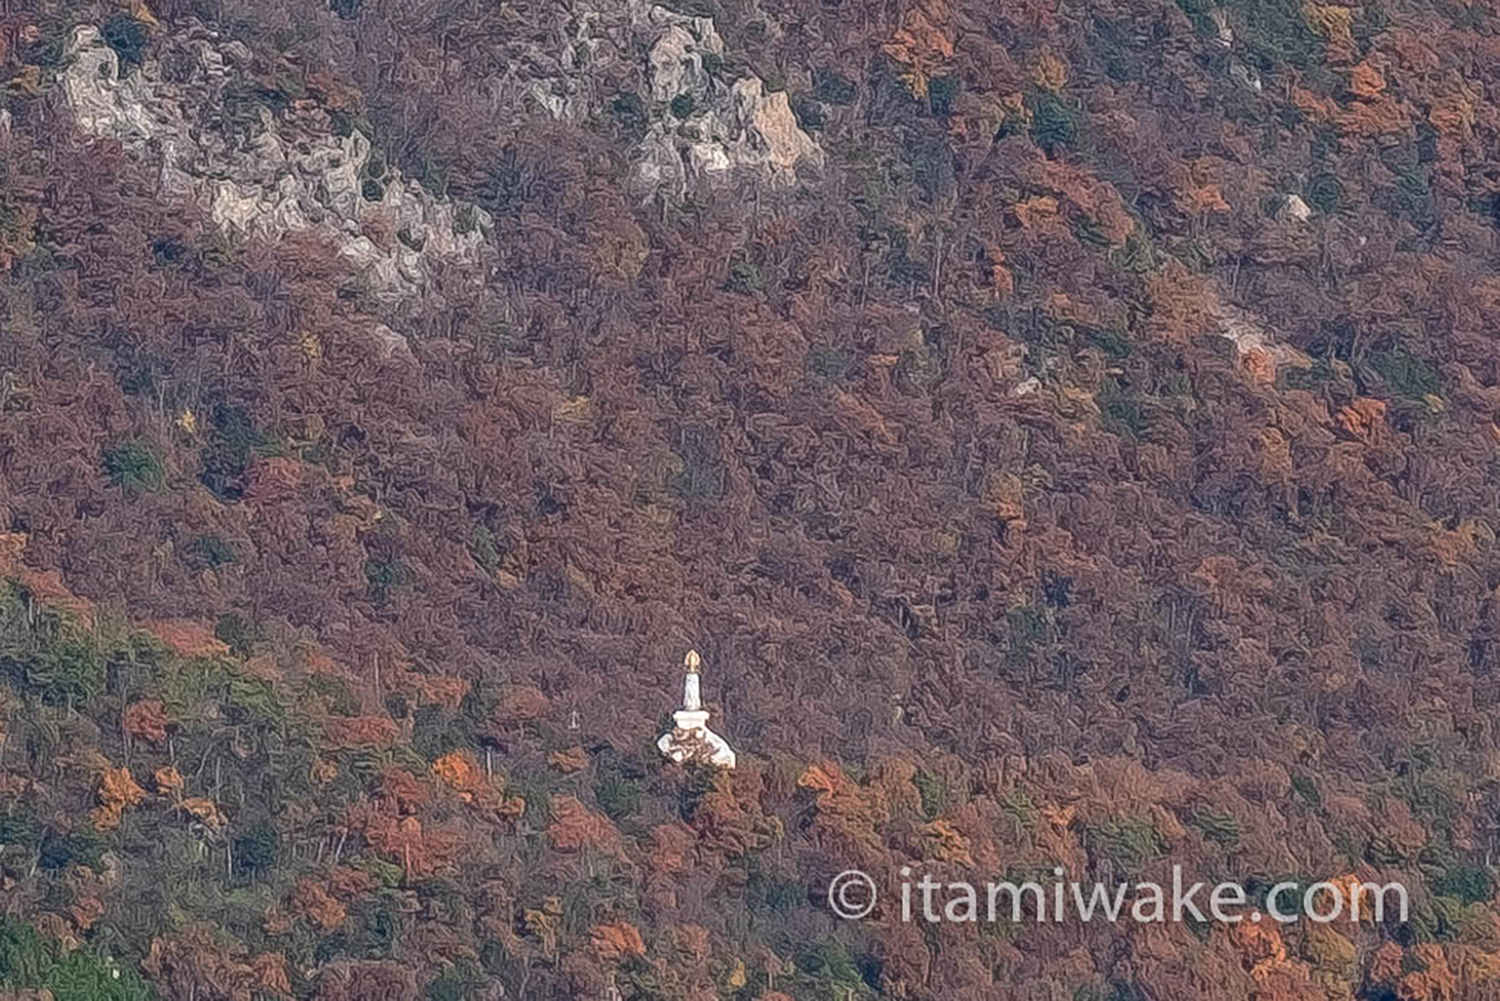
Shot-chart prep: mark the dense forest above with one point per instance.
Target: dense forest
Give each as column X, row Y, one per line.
column 1069, row 433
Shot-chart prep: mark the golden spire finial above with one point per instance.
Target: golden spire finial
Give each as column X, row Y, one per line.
column 691, row 661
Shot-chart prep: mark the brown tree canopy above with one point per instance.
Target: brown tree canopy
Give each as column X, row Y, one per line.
column 1091, row 463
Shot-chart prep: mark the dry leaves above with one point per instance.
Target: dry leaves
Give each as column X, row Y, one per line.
column 117, row 792
column 614, row 942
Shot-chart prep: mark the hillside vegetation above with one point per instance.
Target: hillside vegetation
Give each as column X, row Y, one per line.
column 1070, row 439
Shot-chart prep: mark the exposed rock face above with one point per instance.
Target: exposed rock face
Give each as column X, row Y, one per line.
column 268, row 168
column 1256, row 350
column 262, row 173
column 1295, row 209
column 700, row 128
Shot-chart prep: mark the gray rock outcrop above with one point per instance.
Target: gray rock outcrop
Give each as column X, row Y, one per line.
column 701, row 127
column 264, row 173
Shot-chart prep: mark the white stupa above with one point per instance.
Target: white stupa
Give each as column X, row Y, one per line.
column 690, row 739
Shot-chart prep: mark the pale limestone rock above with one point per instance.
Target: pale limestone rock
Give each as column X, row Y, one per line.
column 1251, row 339
column 773, row 128
column 708, row 158
column 733, row 128
column 275, row 175
column 676, row 60
column 1245, row 75
column 389, row 342
column 1224, row 35
column 658, row 167
column 544, row 93
column 1295, row 209
column 239, row 53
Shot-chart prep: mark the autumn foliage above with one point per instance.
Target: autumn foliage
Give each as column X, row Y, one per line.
column 1092, row 466
column 118, row 792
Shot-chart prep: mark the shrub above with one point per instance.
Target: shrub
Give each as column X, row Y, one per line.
column 1276, row 32
column 745, row 276
column 65, row 669
column 1290, row 377
column 933, row 791
column 1026, row 627
column 1054, row 123
column 134, row 466
column 258, row 849
column 250, row 700
column 1384, row 850
column 832, row 972
column 1057, row 589
column 1127, row 841
column 381, row 577
column 1471, row 884
column 1198, row 12
column 829, row 362
column 1440, row 919
column 1217, row 825
column 61, row 849
column 1122, row 412
column 832, row 87
column 128, row 37
column 236, row 631
column 701, row 477
column 810, row 113
column 230, row 446
column 167, row 250
column 466, row 219
column 435, row 732
column 375, row 164
column 638, row 982
column 699, row 783
column 482, row 548
column 932, row 166
column 19, row 829
column 1304, row 787
column 830, row 960
column 766, row 891
column 629, row 112
column 82, row 976
column 1406, row 374
column 1019, row 805
column 618, row 796
column 941, row 93
column 1324, row 192
column 209, row 551
column 25, row 958
column 1114, row 343
column 335, row 694
column 459, row 982
column 375, row 926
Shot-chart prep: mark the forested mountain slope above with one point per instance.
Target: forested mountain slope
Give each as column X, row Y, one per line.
column 1068, row 431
